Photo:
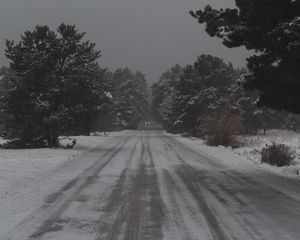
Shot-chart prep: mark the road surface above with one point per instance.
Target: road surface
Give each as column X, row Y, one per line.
column 148, row 185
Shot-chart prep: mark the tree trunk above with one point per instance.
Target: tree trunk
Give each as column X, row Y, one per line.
column 87, row 125
column 194, row 131
column 52, row 139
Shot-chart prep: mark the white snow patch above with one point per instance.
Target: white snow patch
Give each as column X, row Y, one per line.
column 2, row 141
column 247, row 157
column 254, row 144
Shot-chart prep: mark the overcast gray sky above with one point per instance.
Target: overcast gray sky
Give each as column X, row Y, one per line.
column 146, row 35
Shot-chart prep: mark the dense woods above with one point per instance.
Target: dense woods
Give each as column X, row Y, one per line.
column 55, row 85
column 200, row 148
column 272, row 30
column 207, row 98
column 130, row 96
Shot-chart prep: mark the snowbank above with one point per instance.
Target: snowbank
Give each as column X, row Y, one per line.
column 247, row 157
column 252, row 146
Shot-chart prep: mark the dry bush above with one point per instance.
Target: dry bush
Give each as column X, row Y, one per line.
column 222, row 129
column 277, row 155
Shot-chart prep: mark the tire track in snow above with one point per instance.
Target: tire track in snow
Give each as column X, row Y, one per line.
column 108, row 227
column 225, row 202
column 183, row 219
column 56, row 203
column 186, row 173
column 188, row 176
column 175, row 215
column 137, row 213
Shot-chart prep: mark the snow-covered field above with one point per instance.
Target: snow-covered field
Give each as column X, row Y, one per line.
column 247, row 157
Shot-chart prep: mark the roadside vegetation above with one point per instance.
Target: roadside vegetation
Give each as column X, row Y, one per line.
column 207, row 100
column 278, row 155
column 213, row 101
column 55, row 86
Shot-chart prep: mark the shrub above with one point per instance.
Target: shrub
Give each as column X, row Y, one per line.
column 222, row 129
column 277, row 155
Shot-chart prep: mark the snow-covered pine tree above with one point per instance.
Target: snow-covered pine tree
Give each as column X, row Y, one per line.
column 161, row 95
column 56, row 84
column 272, row 29
column 130, row 99
column 200, row 89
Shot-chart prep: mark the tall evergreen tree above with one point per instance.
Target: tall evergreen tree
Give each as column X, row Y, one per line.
column 161, row 93
column 56, row 84
column 272, row 29
column 185, row 95
column 130, row 98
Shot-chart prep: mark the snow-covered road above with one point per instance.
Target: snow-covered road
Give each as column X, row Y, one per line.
column 148, row 185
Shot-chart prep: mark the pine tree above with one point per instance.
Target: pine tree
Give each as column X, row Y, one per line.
column 161, row 94
column 184, row 96
column 130, row 98
column 56, row 84
column 272, row 29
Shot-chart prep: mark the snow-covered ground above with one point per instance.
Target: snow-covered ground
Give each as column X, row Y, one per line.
column 144, row 185
column 28, row 174
column 21, row 168
column 252, row 146
column 247, row 157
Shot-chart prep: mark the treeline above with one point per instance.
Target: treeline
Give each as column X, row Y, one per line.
column 129, row 93
column 272, row 30
column 55, row 85
column 206, row 98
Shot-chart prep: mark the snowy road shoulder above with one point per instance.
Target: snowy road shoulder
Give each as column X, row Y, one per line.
column 27, row 175
column 247, row 157
column 147, row 185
